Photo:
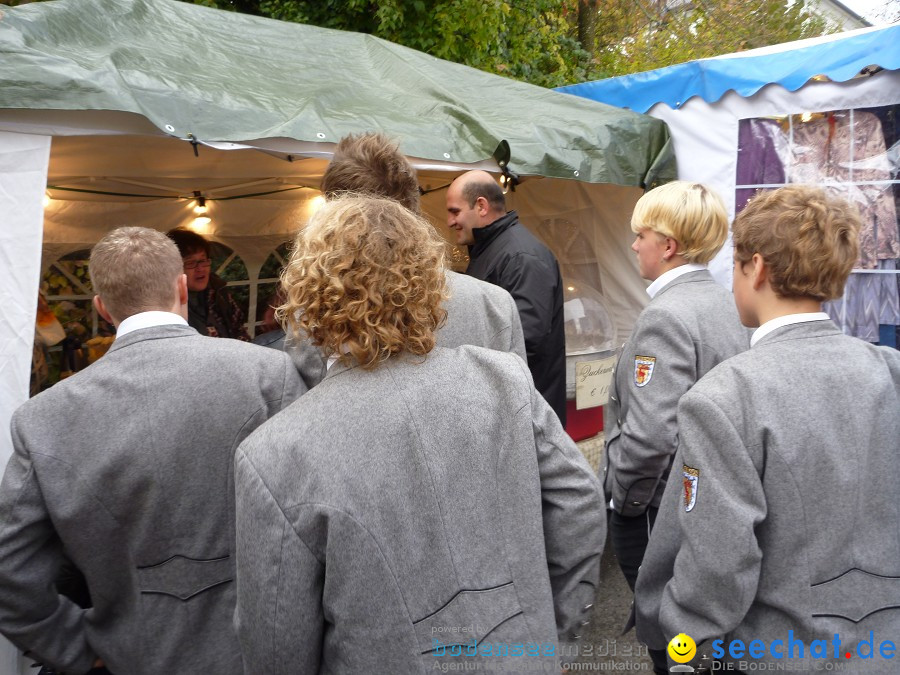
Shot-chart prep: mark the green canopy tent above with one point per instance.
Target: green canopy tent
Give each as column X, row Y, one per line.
column 200, row 74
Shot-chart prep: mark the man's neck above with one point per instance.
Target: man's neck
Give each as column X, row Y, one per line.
column 777, row 307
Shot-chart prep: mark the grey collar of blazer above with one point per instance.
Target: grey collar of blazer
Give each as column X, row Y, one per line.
column 153, row 333
column 690, row 277
column 799, row 331
column 337, row 368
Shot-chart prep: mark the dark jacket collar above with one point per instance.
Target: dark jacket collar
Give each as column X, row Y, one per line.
column 485, row 235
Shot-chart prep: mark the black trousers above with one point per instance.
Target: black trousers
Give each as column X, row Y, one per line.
column 629, row 535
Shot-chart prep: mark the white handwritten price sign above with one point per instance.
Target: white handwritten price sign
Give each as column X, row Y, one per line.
column 592, row 380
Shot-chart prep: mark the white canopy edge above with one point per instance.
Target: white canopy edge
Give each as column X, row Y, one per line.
column 113, row 123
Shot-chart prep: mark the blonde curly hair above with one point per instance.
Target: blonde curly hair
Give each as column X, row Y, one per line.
column 365, row 281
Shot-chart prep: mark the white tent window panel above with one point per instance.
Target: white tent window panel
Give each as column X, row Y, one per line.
column 66, row 285
column 267, row 298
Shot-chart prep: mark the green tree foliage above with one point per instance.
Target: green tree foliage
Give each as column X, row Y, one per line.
column 530, row 40
column 636, row 35
column 556, row 42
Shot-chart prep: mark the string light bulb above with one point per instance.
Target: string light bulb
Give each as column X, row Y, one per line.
column 200, row 207
column 316, row 203
column 200, row 224
column 47, row 199
column 508, row 180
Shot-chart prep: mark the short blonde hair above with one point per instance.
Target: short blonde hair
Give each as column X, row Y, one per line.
column 808, row 239
column 366, row 280
column 134, row 269
column 690, row 213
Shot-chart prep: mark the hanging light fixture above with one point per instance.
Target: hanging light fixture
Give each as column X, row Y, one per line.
column 509, row 179
column 200, row 206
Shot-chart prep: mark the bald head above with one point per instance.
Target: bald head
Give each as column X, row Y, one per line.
column 474, row 200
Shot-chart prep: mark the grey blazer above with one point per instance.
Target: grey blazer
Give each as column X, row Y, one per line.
column 391, row 513
column 689, row 327
column 478, row 313
column 786, row 514
column 126, row 470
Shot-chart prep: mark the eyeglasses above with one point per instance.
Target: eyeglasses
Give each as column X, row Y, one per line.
column 193, row 264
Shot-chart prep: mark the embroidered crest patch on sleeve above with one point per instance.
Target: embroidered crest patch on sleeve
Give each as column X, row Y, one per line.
column 691, row 479
column 643, row 369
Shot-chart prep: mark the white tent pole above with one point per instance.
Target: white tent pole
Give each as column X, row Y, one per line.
column 23, row 178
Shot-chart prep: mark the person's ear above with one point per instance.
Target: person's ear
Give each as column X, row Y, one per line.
column 182, row 289
column 482, row 206
column 760, row 272
column 102, row 311
column 671, row 248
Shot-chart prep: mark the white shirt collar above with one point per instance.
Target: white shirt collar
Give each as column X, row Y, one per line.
column 670, row 276
column 787, row 320
column 148, row 320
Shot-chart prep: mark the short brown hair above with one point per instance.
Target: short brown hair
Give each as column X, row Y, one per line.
column 808, row 239
column 692, row 214
column 188, row 242
column 371, row 164
column 366, row 280
column 134, row 269
column 488, row 189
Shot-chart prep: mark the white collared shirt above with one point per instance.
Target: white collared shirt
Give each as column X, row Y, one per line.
column 785, row 320
column 148, row 320
column 670, row 276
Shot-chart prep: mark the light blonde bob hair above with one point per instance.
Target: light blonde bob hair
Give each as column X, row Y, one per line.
column 808, row 239
column 134, row 269
column 365, row 281
column 690, row 213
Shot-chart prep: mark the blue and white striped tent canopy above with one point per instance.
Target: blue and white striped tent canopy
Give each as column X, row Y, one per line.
column 838, row 57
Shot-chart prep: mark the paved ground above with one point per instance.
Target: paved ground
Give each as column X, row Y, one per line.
column 603, row 648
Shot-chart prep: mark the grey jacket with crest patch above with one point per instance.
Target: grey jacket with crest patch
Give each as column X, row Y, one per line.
column 478, row 313
column 689, row 327
column 428, row 503
column 789, row 516
column 126, row 470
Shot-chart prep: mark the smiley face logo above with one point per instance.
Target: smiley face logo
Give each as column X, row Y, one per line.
column 682, row 648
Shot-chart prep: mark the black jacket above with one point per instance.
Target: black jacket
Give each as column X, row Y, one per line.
column 507, row 255
column 214, row 312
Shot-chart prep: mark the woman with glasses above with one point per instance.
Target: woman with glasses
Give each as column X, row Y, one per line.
column 211, row 309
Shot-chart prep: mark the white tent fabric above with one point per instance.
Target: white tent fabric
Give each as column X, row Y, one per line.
column 23, row 176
